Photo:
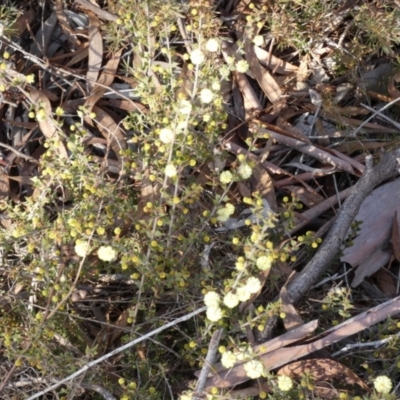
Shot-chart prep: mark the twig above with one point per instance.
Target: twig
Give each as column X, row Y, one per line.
column 212, row 349
column 99, row 389
column 375, row 113
column 375, row 344
column 382, row 116
column 387, row 168
column 19, row 154
column 8, row 377
column 117, row 351
column 90, row 386
column 334, row 277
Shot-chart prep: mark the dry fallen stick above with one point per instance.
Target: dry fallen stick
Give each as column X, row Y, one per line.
column 386, row 169
column 275, row 358
column 302, row 282
column 116, row 351
column 88, row 386
column 212, row 350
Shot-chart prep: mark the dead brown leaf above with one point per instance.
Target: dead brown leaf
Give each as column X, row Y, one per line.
column 46, row 125
column 44, row 35
column 103, row 14
column 396, row 236
column 27, row 17
column 110, row 130
column 263, row 184
column 123, row 105
column 370, row 250
column 292, row 318
column 266, row 81
column 392, row 89
column 386, row 282
column 274, row 63
column 285, row 129
column 322, row 369
column 64, row 24
column 95, row 51
column 309, row 197
column 352, row 122
column 250, row 99
column 80, row 54
column 106, row 79
column 4, row 186
column 313, row 151
column 355, row 164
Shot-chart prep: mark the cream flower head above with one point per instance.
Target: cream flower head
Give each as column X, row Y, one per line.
column 197, row 57
column 245, row 171
column 285, row 383
column 226, row 177
column 214, row 314
column 254, row 369
column 212, row 45
column 167, row 135
column 231, row 300
column 185, row 107
column 242, row 66
column 383, row 384
column 258, row 40
column 106, row 253
column 264, row 263
column 253, row 285
column 170, row 170
column 81, row 248
column 212, row 299
column 243, row 293
column 206, row 96
column 228, row 359
column 224, row 213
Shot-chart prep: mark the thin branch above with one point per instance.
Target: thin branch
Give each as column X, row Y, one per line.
column 376, row 344
column 210, row 358
column 117, row 351
column 19, row 154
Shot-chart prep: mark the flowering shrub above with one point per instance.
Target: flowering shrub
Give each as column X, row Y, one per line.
column 146, row 211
